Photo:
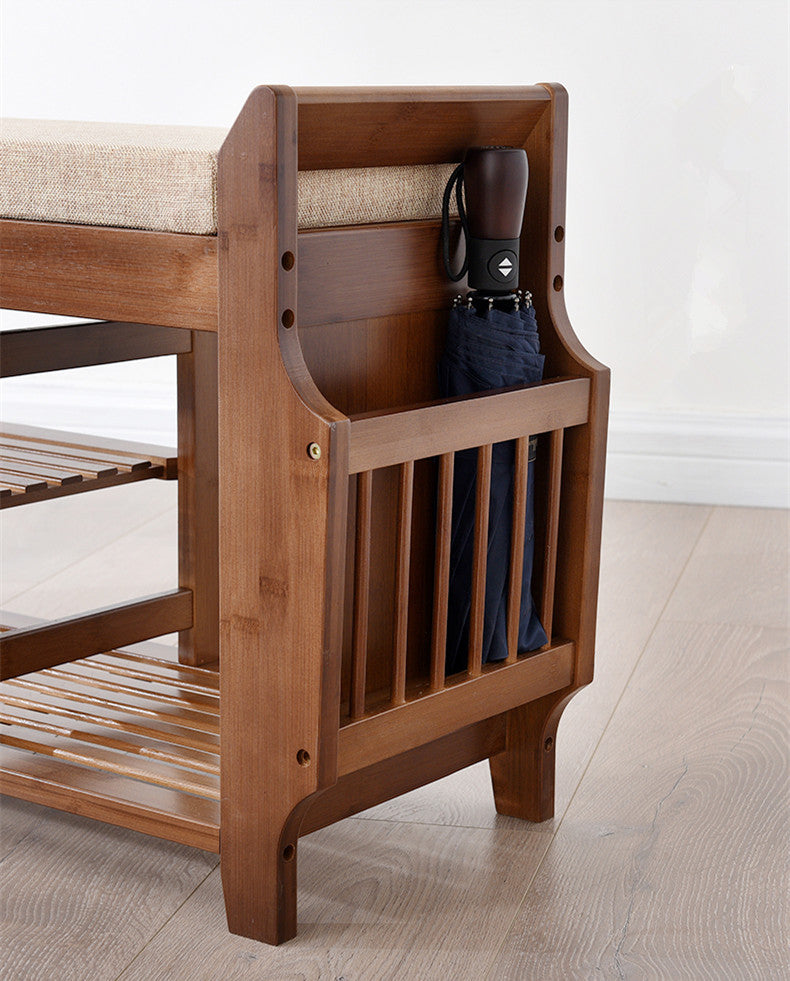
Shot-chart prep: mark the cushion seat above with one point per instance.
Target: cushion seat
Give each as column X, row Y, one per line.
column 164, row 178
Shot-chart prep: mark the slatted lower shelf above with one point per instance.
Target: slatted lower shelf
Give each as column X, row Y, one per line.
column 124, row 737
column 38, row 464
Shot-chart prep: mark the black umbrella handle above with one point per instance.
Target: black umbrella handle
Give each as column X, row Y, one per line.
column 495, row 186
column 493, row 180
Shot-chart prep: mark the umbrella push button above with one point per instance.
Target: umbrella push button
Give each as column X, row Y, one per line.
column 503, row 267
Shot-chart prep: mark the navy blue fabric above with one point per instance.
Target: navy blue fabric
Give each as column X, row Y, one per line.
column 495, row 350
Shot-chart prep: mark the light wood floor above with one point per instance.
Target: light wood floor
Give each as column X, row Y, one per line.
column 667, row 857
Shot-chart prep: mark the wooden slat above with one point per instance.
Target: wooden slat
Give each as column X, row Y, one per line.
column 83, row 446
column 517, row 530
column 19, row 484
column 33, row 648
column 109, row 760
column 119, row 274
column 379, row 125
column 183, row 731
column 46, row 493
column 500, row 688
column 134, row 804
column 359, row 646
column 73, row 464
column 93, row 733
column 441, row 587
column 128, row 704
column 206, row 677
column 552, row 532
column 54, row 476
column 402, row 569
column 110, row 667
column 26, row 352
column 85, row 673
column 384, row 439
column 479, row 560
column 198, row 507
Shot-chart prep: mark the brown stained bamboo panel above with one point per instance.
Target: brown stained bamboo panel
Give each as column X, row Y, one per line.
column 38, row 464
column 89, row 740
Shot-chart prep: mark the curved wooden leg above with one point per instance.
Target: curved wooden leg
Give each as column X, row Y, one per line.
column 523, row 775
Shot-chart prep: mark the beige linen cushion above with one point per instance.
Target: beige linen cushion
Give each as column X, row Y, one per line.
column 164, row 178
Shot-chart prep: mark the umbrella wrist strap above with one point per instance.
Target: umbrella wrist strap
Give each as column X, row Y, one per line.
column 456, row 181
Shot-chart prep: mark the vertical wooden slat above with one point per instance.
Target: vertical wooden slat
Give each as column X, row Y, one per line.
column 359, row 647
column 441, row 587
column 520, row 469
column 552, row 530
column 198, row 506
column 477, row 611
column 403, row 563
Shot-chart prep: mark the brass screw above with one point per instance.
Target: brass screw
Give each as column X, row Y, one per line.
column 314, row 451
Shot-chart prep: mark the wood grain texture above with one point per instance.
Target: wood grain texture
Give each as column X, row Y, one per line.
column 32, row 648
column 716, row 586
column 381, row 440
column 387, row 901
column 673, row 845
column 479, row 560
column 198, row 504
column 109, row 273
column 27, row 352
column 65, row 888
column 402, row 564
column 379, row 125
column 281, row 542
column 441, row 577
column 433, row 714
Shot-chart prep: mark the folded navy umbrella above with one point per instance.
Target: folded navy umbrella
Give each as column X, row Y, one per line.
column 492, row 342
column 494, row 349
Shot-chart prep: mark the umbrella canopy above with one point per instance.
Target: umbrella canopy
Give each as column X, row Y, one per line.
column 491, row 348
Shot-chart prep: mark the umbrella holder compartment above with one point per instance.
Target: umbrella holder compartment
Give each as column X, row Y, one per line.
column 335, row 470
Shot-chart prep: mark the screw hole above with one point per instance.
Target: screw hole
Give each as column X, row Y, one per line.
column 558, row 283
column 303, row 758
column 288, row 260
column 559, row 233
column 288, row 319
column 288, row 853
column 548, row 744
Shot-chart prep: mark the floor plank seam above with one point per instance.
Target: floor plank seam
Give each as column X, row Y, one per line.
column 156, row 932
column 130, row 531
column 495, row 954
column 447, row 827
column 658, row 620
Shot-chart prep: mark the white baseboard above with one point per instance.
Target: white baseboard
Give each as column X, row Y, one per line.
column 653, row 456
column 699, row 459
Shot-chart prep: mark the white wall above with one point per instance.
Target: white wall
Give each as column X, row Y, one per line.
column 676, row 271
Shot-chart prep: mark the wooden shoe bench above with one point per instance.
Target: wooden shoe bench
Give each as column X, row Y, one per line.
column 332, row 481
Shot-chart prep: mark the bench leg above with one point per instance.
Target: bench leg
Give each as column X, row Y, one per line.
column 197, row 497
column 523, row 775
column 259, row 880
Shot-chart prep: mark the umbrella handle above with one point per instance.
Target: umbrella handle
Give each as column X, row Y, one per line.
column 495, row 184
